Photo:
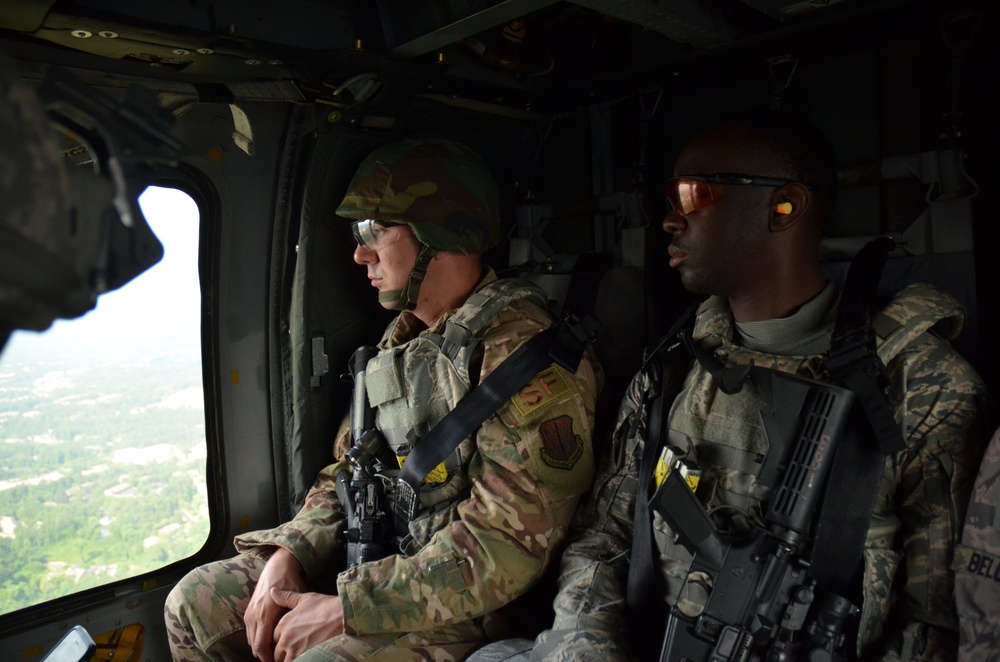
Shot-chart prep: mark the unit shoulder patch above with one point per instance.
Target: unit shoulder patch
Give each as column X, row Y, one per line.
column 561, row 448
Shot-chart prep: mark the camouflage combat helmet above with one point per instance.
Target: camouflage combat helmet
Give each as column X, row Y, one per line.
column 443, row 191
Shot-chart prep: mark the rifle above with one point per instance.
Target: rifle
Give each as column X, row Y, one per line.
column 762, row 602
column 361, row 491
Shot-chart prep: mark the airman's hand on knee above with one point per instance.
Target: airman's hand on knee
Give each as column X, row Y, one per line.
column 311, row 619
column 283, row 571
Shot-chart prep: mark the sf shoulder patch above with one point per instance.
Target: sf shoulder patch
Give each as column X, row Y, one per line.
column 546, row 386
column 561, row 449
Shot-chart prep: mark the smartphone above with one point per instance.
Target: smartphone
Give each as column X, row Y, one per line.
column 75, row 646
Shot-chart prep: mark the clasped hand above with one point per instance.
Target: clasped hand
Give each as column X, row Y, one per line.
column 283, row 621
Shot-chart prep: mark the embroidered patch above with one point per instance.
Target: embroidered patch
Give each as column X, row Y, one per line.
column 547, row 385
column 560, row 447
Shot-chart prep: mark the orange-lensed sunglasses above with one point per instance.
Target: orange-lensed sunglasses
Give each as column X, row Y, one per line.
column 690, row 193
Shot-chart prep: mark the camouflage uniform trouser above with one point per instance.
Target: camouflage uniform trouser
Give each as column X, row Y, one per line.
column 204, row 622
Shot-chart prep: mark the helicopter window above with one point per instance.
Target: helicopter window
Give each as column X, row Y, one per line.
column 102, row 424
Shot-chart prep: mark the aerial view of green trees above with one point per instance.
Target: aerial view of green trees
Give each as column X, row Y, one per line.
column 103, row 472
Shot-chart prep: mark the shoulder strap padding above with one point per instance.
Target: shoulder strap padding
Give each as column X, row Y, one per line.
column 471, row 318
column 917, row 308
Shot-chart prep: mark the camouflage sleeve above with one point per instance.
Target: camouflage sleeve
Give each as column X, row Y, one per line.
column 977, row 564
column 533, row 460
column 590, row 606
column 917, row 521
column 315, row 536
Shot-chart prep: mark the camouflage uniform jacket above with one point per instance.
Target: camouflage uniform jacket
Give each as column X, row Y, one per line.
column 492, row 517
column 907, row 611
column 977, row 564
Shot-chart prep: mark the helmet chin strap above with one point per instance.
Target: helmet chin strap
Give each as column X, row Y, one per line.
column 391, row 296
column 407, row 297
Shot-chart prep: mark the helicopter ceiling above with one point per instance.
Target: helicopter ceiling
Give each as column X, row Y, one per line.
column 522, row 51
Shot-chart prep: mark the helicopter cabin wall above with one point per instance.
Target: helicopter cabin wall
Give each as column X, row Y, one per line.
column 242, row 200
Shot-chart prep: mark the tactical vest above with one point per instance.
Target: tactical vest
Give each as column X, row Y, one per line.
column 414, row 385
column 723, row 435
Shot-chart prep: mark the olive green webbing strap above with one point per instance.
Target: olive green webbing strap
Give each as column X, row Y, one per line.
column 411, row 290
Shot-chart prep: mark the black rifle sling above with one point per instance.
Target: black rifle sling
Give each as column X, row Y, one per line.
column 644, row 594
column 845, row 514
column 852, row 487
column 563, row 344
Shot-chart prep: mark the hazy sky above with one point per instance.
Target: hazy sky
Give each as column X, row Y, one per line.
column 162, row 301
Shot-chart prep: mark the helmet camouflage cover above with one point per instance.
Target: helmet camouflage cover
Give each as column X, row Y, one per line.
column 445, row 192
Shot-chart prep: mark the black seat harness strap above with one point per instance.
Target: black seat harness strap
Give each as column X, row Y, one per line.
column 644, row 590
column 562, row 344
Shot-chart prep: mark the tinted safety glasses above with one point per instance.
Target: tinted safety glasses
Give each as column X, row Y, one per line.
column 373, row 235
column 692, row 192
